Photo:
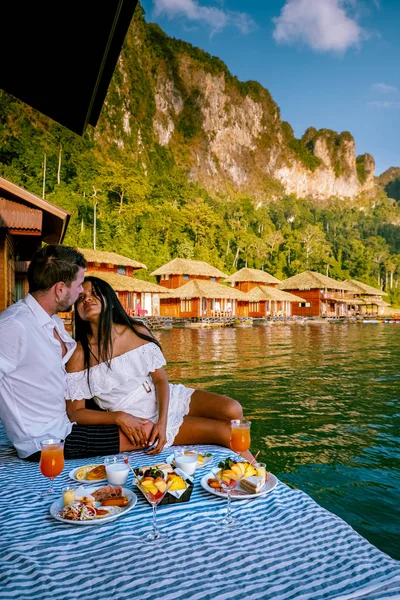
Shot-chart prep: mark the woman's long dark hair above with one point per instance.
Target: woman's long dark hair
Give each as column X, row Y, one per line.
column 112, row 311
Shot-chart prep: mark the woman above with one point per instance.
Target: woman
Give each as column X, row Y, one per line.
column 120, row 364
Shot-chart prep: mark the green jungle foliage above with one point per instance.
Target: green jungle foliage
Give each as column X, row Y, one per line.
column 150, row 210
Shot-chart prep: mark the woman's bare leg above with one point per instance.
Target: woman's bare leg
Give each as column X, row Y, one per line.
column 214, row 406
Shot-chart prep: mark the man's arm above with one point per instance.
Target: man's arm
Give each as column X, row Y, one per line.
column 12, row 345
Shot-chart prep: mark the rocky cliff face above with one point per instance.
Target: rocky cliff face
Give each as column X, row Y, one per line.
column 228, row 134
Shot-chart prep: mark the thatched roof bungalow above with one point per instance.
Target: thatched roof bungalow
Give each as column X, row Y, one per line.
column 361, row 289
column 270, row 301
column 139, row 298
column 246, row 279
column 100, row 260
column 181, row 270
column 322, row 296
column 200, row 298
column 370, row 299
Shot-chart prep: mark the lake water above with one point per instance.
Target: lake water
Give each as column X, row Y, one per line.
column 324, row 404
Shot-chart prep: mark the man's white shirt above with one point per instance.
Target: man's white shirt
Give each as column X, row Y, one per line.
column 32, row 375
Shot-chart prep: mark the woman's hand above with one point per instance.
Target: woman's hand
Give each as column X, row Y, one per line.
column 159, row 435
column 133, row 428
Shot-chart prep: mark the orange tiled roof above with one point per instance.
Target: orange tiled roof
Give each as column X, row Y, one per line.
column 17, row 216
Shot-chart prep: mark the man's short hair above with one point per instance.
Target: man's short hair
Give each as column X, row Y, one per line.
column 52, row 264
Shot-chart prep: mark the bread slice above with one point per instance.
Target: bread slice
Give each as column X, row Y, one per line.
column 98, row 472
column 81, row 473
column 164, row 467
column 252, row 484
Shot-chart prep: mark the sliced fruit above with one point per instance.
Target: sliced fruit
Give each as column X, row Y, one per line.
column 147, row 483
column 231, row 474
column 250, row 471
column 161, row 485
column 236, row 469
column 242, row 467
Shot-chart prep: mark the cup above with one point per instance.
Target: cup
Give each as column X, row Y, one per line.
column 68, row 493
column 117, row 470
column 261, row 470
column 186, row 459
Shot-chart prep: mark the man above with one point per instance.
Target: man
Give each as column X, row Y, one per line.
column 34, row 348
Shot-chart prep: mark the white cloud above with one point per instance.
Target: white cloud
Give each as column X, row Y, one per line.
column 324, row 25
column 384, row 89
column 215, row 18
column 384, row 104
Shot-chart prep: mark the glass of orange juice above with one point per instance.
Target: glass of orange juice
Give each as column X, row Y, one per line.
column 51, row 460
column 240, row 435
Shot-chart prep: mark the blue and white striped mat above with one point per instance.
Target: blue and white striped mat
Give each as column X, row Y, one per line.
column 289, row 548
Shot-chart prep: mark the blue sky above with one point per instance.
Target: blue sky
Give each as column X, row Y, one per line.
column 327, row 63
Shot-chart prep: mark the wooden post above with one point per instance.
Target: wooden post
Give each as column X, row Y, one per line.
column 59, row 166
column 44, row 177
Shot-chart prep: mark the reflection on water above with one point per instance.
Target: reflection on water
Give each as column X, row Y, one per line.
column 324, row 405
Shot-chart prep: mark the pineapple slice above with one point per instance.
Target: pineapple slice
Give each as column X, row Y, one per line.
column 250, row 471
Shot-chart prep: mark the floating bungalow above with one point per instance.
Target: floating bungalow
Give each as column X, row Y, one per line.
column 271, row 302
column 263, row 297
column 195, row 290
column 138, row 297
column 199, row 298
column 366, row 299
column 25, row 222
column 321, row 296
column 246, row 279
column 181, row 270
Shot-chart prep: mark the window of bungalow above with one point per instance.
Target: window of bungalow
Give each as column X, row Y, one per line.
column 19, row 289
column 213, row 279
column 186, row 277
column 211, row 303
column 121, row 270
column 166, row 277
column 254, row 306
column 186, row 305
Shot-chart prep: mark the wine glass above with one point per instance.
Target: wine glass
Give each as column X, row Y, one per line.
column 155, row 536
column 51, row 461
column 228, row 479
column 240, row 435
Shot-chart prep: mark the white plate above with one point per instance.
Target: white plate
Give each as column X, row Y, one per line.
column 269, row 486
column 207, row 461
column 58, row 505
column 71, row 474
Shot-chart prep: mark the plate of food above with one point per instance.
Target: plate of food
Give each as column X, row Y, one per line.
column 251, row 481
column 94, row 505
column 93, row 473
column 202, row 460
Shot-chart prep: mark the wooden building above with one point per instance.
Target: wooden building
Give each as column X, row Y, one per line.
column 246, row 279
column 180, row 271
column 367, row 299
column 201, row 298
column 25, row 222
column 322, row 296
column 266, row 301
column 138, row 297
